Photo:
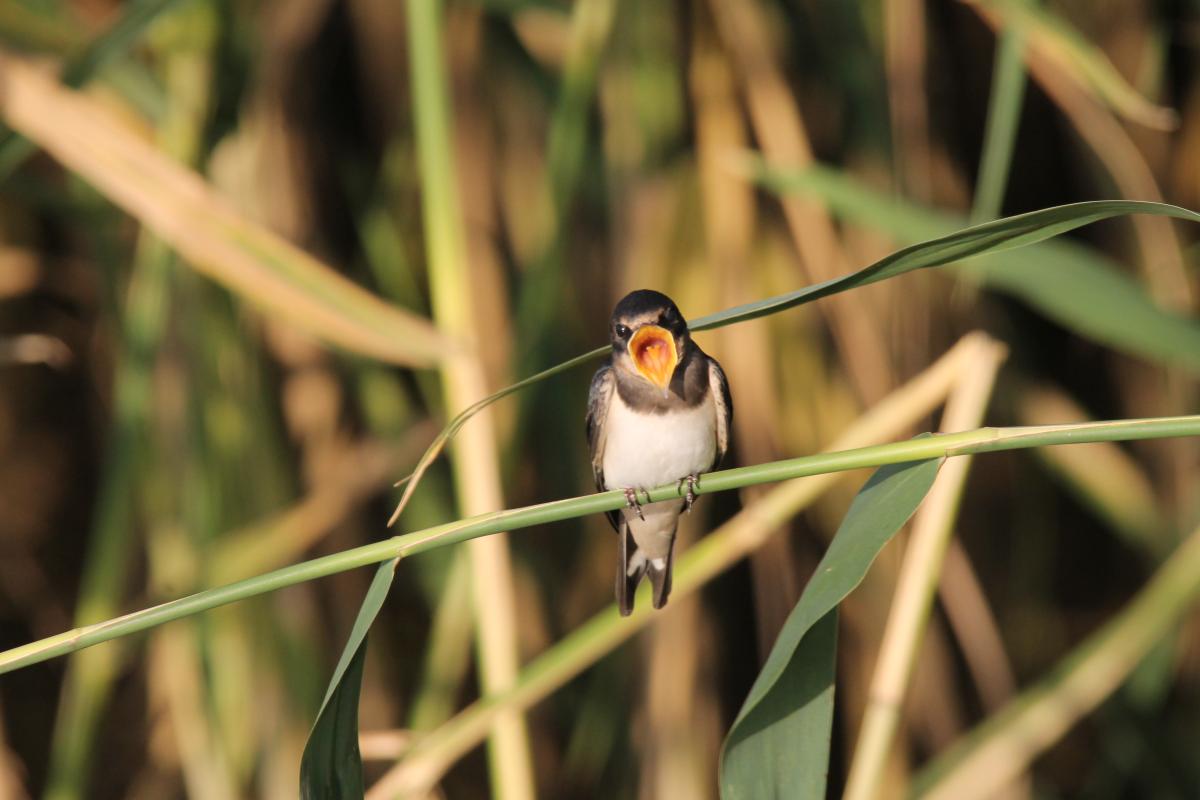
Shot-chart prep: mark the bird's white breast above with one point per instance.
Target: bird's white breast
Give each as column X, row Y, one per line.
column 646, row 450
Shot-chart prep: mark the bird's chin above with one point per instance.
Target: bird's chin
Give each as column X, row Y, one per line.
column 663, row 391
column 661, row 382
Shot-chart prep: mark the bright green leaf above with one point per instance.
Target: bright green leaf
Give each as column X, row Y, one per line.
column 778, row 746
column 331, row 768
column 991, row 237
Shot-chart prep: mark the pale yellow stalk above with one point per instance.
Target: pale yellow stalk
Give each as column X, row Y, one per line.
column 918, row 583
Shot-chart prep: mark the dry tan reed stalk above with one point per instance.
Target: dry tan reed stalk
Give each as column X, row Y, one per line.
column 917, row 585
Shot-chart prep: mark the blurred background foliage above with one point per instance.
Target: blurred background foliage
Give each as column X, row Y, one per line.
column 164, row 429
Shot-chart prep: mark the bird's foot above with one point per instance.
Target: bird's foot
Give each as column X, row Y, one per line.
column 631, row 502
column 692, row 482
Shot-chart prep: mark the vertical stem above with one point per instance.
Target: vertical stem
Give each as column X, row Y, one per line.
column 90, row 677
column 1004, row 114
column 545, row 282
column 476, row 475
column 918, row 583
column 91, row 673
column 905, row 40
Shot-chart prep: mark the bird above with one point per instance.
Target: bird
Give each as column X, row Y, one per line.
column 659, row 411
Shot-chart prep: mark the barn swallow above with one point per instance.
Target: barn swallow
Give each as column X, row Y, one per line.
column 659, row 411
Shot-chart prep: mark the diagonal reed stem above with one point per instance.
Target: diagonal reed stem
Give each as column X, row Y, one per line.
column 996, row 752
column 982, row 440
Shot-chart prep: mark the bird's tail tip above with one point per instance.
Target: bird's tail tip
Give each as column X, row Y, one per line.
column 659, row 573
column 633, row 565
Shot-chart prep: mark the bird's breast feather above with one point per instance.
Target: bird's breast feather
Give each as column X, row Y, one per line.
column 649, row 449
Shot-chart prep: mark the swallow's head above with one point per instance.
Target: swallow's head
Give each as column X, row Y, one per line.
column 649, row 336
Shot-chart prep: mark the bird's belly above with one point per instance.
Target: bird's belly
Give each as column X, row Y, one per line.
column 646, row 450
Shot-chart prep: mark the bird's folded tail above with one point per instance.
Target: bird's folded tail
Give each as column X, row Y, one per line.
column 632, row 564
column 659, row 572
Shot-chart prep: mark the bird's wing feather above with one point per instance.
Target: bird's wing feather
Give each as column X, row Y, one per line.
column 599, row 399
column 719, row 386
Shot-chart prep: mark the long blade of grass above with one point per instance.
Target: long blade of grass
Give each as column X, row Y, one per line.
column 1147, row 330
column 184, row 211
column 1068, row 283
column 983, row 440
column 778, row 747
column 989, row 238
column 414, row 478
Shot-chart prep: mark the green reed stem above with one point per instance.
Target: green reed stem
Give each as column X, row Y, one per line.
column 982, row 440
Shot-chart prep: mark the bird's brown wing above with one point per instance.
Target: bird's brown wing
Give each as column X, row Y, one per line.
column 599, row 398
column 719, row 386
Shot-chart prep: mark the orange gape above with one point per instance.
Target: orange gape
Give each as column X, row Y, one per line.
column 653, row 352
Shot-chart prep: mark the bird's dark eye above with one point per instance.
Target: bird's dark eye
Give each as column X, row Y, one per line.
column 623, row 331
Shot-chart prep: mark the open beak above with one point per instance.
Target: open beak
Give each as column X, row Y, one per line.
column 653, row 351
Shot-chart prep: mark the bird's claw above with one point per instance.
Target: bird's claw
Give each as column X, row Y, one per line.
column 692, row 482
column 631, row 502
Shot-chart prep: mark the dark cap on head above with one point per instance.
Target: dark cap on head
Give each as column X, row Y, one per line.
column 643, row 301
